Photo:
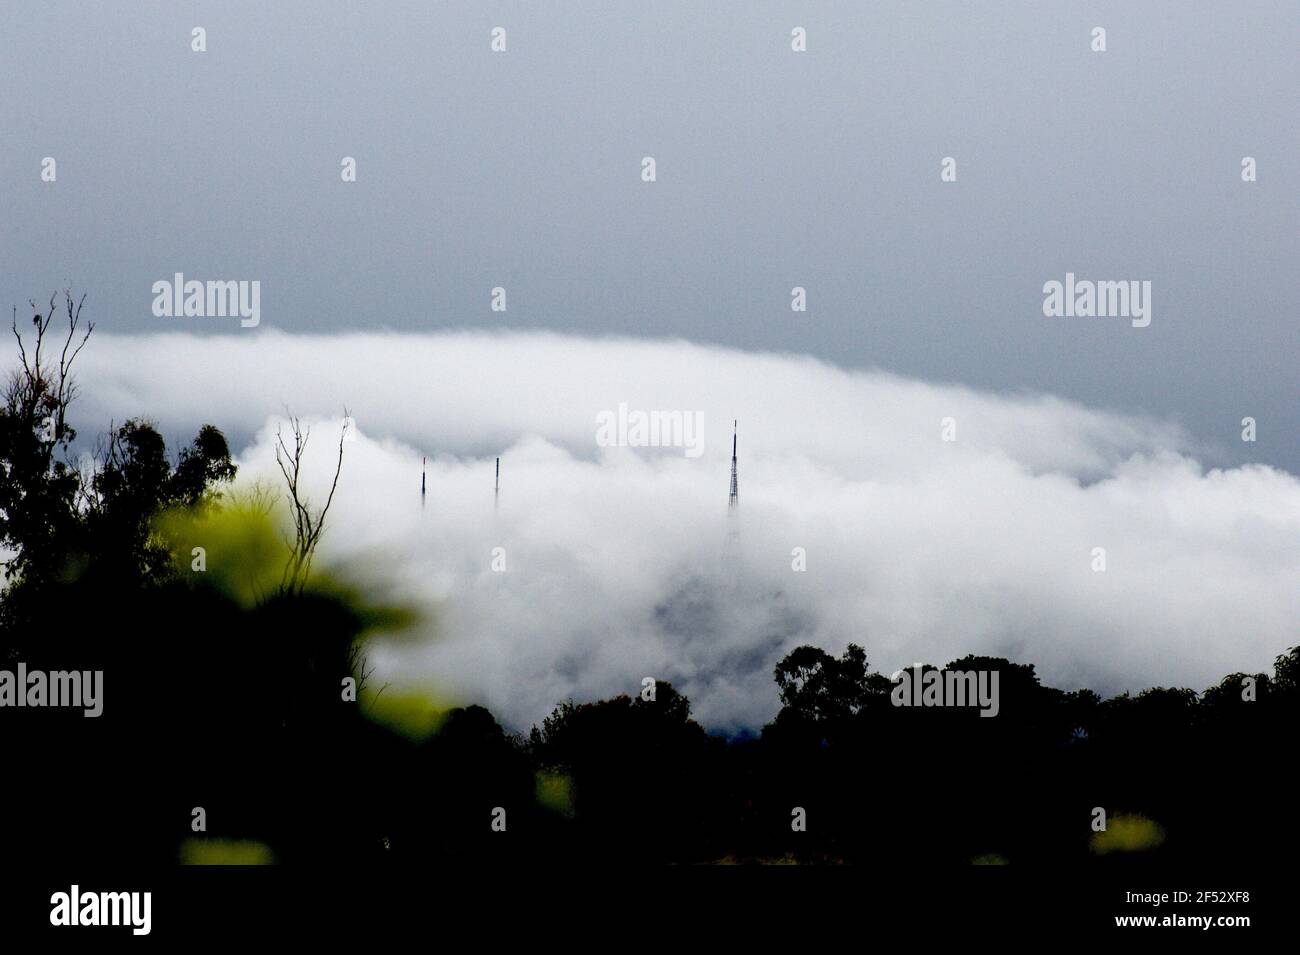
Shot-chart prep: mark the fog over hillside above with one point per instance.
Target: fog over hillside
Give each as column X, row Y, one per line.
column 622, row 563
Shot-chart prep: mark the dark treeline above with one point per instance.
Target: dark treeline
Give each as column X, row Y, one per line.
column 229, row 700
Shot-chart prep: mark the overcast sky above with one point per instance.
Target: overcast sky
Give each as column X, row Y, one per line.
column 775, row 169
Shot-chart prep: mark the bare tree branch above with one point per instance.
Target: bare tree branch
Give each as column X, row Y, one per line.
column 308, row 525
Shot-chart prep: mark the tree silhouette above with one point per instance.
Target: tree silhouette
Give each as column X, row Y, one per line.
column 38, row 487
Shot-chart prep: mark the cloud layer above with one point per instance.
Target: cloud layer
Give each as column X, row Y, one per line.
column 623, row 563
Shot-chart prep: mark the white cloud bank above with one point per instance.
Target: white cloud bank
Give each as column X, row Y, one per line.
column 617, row 560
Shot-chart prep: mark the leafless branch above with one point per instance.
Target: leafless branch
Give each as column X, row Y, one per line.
column 308, row 525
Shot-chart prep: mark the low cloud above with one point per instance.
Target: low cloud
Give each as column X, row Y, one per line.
column 623, row 563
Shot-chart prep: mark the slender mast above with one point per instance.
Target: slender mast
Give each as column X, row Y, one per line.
column 733, row 500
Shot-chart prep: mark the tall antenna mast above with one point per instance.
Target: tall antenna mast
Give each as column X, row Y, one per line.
column 496, row 493
column 424, row 462
column 733, row 500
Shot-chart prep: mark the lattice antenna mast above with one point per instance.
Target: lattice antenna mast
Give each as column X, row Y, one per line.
column 496, row 491
column 733, row 500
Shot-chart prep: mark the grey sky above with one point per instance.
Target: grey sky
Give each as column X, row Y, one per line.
column 775, row 169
